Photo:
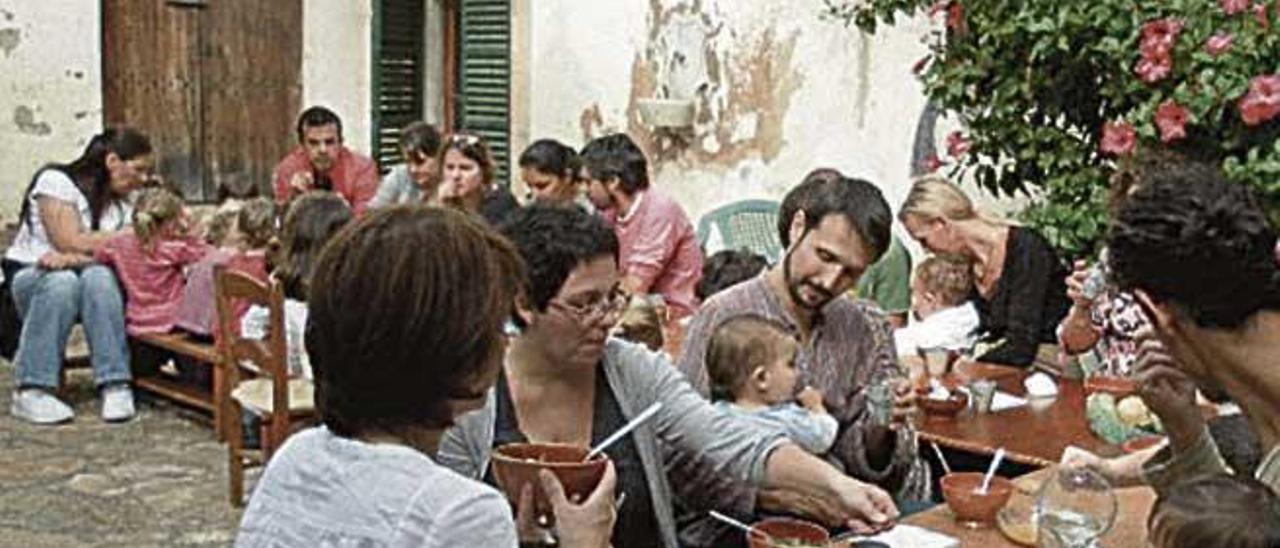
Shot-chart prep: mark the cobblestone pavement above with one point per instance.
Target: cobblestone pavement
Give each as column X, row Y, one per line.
column 159, row 480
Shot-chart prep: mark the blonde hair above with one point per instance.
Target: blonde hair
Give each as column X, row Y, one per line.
column 156, row 207
column 257, row 222
column 222, row 221
column 934, row 197
column 948, row 276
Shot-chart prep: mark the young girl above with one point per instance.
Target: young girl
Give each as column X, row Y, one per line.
column 312, row 220
column 241, row 231
column 151, row 261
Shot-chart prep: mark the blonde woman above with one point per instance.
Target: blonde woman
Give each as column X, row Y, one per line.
column 1018, row 279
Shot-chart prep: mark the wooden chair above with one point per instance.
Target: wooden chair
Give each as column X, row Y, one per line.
column 257, row 375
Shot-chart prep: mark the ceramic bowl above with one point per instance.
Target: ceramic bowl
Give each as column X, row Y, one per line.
column 962, row 491
column 517, row 464
column 787, row 532
column 945, row 408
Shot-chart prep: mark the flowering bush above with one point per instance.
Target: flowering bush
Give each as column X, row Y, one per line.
column 1058, row 94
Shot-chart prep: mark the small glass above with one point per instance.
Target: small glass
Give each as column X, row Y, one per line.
column 936, row 361
column 982, row 392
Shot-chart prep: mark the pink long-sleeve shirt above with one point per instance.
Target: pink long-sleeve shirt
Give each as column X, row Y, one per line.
column 153, row 281
column 659, row 248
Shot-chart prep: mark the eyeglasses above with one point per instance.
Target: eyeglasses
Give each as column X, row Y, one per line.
column 597, row 309
column 465, row 139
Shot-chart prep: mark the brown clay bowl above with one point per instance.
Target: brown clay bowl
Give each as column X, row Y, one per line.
column 1116, row 386
column 962, row 493
column 517, row 464
column 945, row 408
column 1138, row 444
column 787, row 531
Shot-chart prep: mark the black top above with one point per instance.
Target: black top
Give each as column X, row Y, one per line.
column 636, row 524
column 497, row 205
column 1029, row 300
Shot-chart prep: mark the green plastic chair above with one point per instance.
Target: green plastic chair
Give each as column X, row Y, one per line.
column 747, row 224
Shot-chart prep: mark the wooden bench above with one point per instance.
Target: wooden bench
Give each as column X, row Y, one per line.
column 161, row 385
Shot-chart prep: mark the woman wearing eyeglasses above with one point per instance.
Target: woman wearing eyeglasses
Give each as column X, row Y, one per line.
column 466, row 173
column 565, row 380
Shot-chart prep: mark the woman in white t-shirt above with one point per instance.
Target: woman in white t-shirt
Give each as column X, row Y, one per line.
column 68, row 211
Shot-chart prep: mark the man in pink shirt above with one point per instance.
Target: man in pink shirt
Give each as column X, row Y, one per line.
column 322, row 162
column 659, row 251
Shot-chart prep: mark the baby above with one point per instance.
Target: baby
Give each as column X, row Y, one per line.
column 751, row 361
column 942, row 316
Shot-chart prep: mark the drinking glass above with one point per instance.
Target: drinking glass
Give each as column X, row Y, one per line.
column 1075, row 508
column 936, row 361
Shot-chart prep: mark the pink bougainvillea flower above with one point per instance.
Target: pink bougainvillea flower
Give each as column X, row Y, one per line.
column 1233, row 7
column 955, row 16
column 1154, row 70
column 1219, row 44
column 1262, row 102
column 937, row 7
column 1118, row 138
column 933, row 163
column 1172, row 118
column 957, row 145
column 1260, row 11
column 1159, row 36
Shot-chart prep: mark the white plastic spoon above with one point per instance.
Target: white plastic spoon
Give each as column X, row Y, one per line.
column 991, row 471
column 626, row 429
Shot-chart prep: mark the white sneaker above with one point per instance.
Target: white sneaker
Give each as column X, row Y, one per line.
column 40, row 407
column 117, row 403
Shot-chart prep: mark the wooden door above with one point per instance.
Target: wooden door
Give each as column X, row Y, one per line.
column 215, row 83
column 151, row 80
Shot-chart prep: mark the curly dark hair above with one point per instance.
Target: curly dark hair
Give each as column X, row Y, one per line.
column 826, row 192
column 406, row 316
column 553, row 240
column 552, row 157
column 1219, row 510
column 727, row 268
column 617, row 156
column 1191, row 237
column 311, row 222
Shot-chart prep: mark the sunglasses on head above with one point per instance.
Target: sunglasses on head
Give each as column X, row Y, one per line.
column 466, row 139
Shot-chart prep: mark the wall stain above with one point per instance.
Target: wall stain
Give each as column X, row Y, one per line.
column 25, row 118
column 9, row 40
column 8, row 15
column 741, row 105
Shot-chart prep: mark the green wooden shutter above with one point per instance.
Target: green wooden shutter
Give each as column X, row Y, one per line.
column 484, row 76
column 397, row 74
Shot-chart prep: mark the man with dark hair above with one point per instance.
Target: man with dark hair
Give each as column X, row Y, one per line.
column 323, row 162
column 833, row 228
column 418, row 177
column 1197, row 252
column 659, row 250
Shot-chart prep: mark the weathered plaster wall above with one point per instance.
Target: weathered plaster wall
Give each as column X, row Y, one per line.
column 779, row 90
column 50, row 88
column 336, row 63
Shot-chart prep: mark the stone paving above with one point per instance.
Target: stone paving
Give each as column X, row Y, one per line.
column 159, row 480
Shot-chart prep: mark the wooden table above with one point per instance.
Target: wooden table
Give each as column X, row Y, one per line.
column 1033, row 434
column 1130, row 528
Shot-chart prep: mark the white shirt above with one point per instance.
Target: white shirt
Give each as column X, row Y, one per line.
column 253, row 325
column 32, row 241
column 951, row 328
column 324, row 490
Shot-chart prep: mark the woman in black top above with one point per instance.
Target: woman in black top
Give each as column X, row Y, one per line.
column 1018, row 280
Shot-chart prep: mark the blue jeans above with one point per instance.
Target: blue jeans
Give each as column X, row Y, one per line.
column 50, row 302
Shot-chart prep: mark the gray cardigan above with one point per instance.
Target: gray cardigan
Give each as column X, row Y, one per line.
column 687, row 424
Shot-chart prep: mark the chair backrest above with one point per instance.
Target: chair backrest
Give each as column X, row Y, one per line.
column 746, row 224
column 267, row 356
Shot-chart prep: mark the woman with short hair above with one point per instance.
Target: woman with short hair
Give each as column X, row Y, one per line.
column 405, row 335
